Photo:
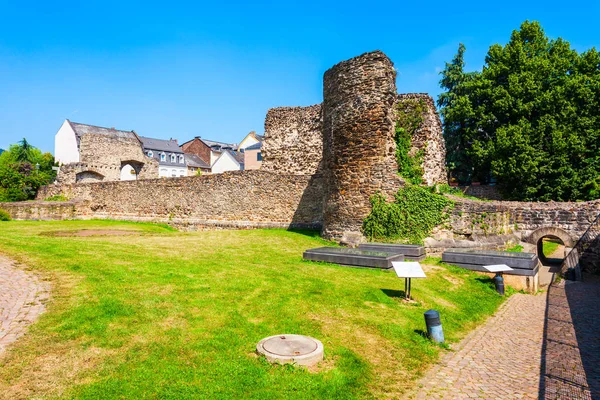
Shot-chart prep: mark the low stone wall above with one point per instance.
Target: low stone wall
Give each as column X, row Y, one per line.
column 235, row 199
column 470, row 219
column 42, row 210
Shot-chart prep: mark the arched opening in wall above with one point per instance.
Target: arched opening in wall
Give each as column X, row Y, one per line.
column 128, row 173
column 551, row 250
column 88, row 176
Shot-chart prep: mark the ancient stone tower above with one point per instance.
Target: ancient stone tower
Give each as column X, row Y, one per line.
column 358, row 140
column 347, row 143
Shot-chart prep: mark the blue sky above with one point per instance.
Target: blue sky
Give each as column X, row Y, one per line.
column 182, row 69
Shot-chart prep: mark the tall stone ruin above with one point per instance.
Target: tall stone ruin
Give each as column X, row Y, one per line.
column 359, row 150
column 348, row 141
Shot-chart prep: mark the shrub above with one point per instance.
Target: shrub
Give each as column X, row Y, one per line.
column 4, row 216
column 410, row 218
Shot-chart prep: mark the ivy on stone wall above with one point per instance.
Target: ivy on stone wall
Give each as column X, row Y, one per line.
column 408, row 120
column 412, row 216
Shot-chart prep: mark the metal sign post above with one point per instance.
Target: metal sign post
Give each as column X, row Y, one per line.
column 498, row 279
column 408, row 270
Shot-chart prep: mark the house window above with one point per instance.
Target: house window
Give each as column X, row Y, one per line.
column 172, row 158
column 163, row 157
column 173, row 173
column 181, row 160
column 181, row 172
column 259, row 156
column 150, row 153
column 163, row 172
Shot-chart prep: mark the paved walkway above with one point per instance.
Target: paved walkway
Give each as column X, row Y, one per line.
column 571, row 354
column 545, row 346
column 500, row 360
column 22, row 298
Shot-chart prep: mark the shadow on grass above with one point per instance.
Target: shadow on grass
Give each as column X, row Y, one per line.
column 395, row 294
column 312, row 233
column 421, row 333
column 486, row 280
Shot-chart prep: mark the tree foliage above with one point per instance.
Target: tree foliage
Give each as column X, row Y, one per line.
column 530, row 118
column 23, row 169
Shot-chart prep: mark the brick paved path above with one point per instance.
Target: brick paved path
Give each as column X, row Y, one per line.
column 22, row 298
column 571, row 354
column 545, row 346
column 499, row 360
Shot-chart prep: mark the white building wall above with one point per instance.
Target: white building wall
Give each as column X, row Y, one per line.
column 172, row 172
column 65, row 145
column 247, row 142
column 225, row 163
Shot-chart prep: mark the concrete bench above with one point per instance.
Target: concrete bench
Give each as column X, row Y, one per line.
column 353, row 257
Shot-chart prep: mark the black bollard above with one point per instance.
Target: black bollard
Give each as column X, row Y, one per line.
column 499, row 282
column 434, row 326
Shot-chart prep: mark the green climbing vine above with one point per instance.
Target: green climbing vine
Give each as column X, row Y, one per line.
column 412, row 216
column 408, row 120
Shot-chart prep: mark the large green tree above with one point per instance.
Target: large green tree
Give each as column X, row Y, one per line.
column 23, row 169
column 530, row 118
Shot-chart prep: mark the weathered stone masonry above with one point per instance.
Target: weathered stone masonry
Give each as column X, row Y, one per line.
column 428, row 138
column 529, row 221
column 233, row 199
column 293, row 140
column 358, row 147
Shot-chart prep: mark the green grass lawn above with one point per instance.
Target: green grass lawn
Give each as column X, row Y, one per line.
column 177, row 315
column 550, row 246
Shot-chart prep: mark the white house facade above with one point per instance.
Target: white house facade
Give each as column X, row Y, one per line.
column 229, row 160
column 170, row 157
column 66, row 149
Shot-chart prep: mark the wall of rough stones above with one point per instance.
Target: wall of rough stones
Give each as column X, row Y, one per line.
column 101, row 158
column 293, row 140
column 42, row 210
column 359, row 149
column 428, row 138
column 487, row 218
column 232, row 199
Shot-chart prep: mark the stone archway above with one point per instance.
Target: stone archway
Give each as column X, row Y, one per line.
column 538, row 235
column 128, row 173
column 88, row 176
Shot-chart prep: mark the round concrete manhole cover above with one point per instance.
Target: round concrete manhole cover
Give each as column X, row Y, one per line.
column 291, row 349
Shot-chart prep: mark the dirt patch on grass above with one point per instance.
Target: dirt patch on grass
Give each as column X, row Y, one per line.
column 389, row 379
column 53, row 373
column 91, row 232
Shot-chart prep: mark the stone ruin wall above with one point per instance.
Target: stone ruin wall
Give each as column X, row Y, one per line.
column 429, row 138
column 235, row 199
column 481, row 221
column 358, row 140
column 293, row 141
column 102, row 154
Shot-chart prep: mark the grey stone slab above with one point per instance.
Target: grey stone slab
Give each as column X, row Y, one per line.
column 479, row 268
column 353, row 257
column 409, row 250
column 491, row 257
